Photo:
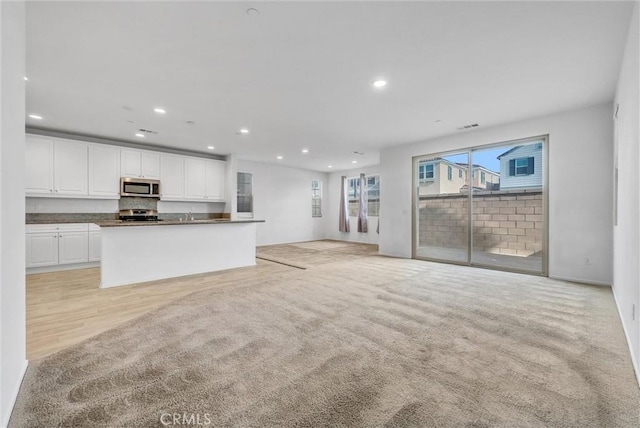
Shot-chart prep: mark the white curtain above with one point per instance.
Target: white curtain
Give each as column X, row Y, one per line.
column 343, row 224
column 362, row 205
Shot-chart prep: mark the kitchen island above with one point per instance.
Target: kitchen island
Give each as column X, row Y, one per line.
column 134, row 252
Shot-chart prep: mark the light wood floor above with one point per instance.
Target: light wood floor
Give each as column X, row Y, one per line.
column 64, row 308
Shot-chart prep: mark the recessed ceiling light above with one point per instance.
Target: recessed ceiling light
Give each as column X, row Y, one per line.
column 210, row 147
column 244, row 131
column 439, row 120
column 252, row 11
column 159, row 110
column 305, row 150
column 35, row 116
column 279, row 157
column 330, row 166
column 379, row 83
column 139, row 135
column 354, row 161
column 26, row 78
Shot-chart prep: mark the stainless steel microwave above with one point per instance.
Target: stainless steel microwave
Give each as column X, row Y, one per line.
column 139, row 187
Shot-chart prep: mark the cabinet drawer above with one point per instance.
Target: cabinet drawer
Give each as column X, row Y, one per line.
column 58, row 227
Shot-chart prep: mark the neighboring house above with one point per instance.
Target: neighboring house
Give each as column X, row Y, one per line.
column 439, row 176
column 521, row 167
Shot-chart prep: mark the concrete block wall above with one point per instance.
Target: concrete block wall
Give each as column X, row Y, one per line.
column 504, row 223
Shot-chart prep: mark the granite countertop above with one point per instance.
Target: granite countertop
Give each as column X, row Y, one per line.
column 120, row 223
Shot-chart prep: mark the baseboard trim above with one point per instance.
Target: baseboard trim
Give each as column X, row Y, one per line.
column 59, row 268
column 581, row 281
column 634, row 360
column 14, row 397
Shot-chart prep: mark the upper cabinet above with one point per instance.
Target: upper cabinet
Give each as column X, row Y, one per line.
column 75, row 169
column 139, row 164
column 171, row 177
column 39, row 166
column 104, row 171
column 215, row 179
column 204, row 179
column 56, row 167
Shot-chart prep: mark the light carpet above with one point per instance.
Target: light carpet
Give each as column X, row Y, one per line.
column 368, row 342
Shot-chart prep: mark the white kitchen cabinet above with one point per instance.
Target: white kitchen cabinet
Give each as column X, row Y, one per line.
column 171, row 177
column 39, row 166
column 42, row 249
column 57, row 244
column 215, row 180
column 94, row 246
column 204, row 179
column 104, row 171
column 195, row 178
column 55, row 167
column 73, row 247
column 139, row 164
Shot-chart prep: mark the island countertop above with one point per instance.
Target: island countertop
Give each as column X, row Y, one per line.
column 120, row 223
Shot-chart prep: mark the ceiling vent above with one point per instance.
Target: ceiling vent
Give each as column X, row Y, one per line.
column 147, row 131
column 473, row 125
column 358, row 153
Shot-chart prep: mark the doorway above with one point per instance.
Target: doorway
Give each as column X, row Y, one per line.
column 484, row 206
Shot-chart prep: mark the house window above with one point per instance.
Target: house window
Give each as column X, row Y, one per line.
column 449, row 172
column 483, row 177
column 459, row 173
column 373, row 195
column 425, row 172
column 521, row 166
column 245, row 193
column 316, row 198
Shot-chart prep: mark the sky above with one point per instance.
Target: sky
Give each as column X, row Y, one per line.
column 488, row 158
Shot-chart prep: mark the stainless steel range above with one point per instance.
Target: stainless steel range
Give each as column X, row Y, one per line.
column 138, row 215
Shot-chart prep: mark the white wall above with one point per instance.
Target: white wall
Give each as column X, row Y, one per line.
column 282, row 197
column 626, row 283
column 13, row 361
column 580, row 183
column 332, row 209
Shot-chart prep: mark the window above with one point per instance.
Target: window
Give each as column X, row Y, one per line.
column 483, row 177
column 316, row 198
column 449, row 172
column 245, row 193
column 459, row 173
column 373, row 195
column 425, row 172
column 521, row 166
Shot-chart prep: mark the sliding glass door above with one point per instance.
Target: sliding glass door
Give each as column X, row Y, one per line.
column 484, row 206
column 442, row 209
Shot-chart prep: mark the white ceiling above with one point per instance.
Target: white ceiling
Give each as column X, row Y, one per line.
column 299, row 75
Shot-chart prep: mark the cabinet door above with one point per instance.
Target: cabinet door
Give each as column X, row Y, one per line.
column 150, row 165
column 195, row 178
column 70, row 168
column 42, row 249
column 130, row 163
column 39, row 166
column 171, row 177
column 94, row 246
column 104, row 171
column 215, row 175
column 73, row 247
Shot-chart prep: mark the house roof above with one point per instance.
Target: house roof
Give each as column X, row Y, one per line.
column 513, row 149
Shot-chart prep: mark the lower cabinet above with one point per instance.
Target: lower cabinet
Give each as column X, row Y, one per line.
column 60, row 244
column 94, row 245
